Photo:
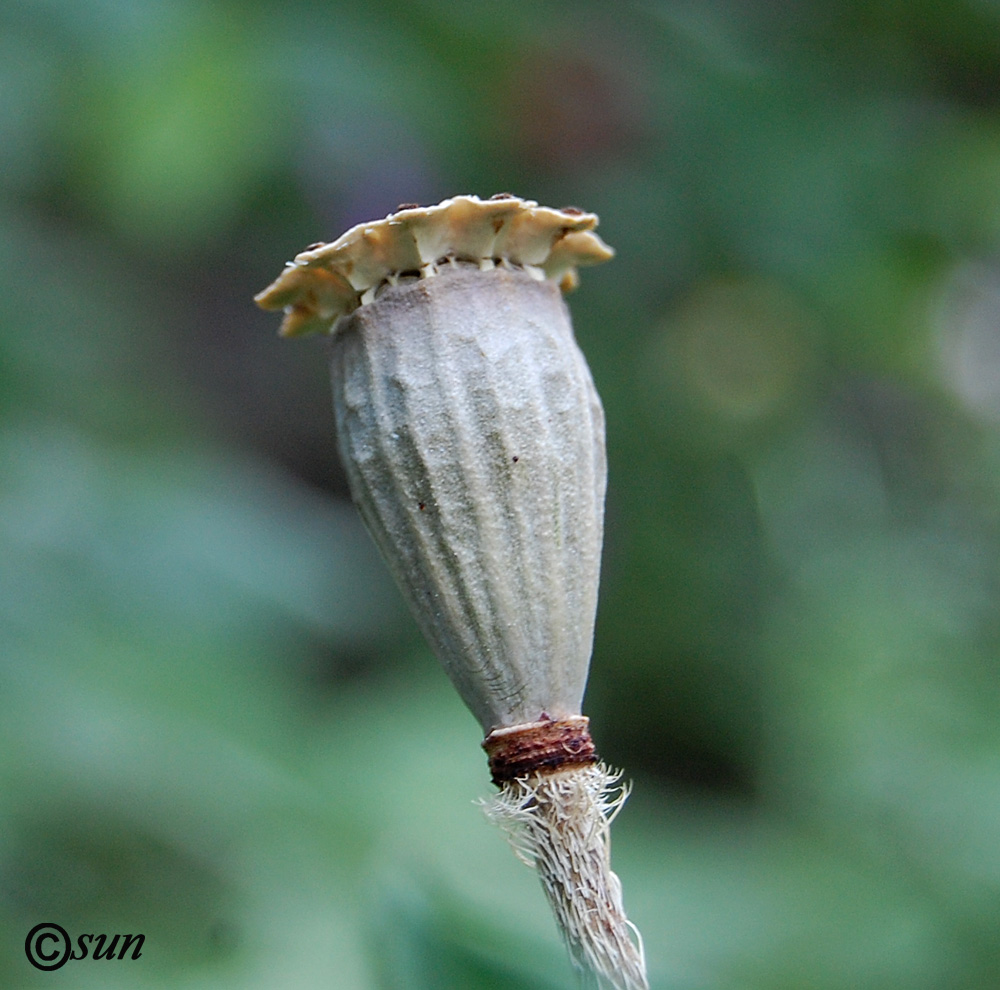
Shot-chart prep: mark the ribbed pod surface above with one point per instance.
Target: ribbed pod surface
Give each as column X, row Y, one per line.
column 474, row 443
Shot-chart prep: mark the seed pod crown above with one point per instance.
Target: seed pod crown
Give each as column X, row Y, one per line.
column 327, row 281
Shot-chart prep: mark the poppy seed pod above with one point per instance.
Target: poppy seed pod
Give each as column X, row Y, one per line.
column 473, row 441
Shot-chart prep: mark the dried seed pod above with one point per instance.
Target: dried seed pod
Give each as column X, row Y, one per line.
column 473, row 440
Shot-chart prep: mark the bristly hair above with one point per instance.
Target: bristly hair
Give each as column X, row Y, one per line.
column 559, row 823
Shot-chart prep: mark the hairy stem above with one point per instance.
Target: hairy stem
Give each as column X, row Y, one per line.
column 559, row 823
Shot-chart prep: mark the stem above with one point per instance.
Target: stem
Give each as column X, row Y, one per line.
column 559, row 823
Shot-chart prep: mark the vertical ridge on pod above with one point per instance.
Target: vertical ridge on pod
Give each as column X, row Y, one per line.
column 514, row 545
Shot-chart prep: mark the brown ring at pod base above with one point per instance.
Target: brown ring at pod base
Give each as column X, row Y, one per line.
column 539, row 747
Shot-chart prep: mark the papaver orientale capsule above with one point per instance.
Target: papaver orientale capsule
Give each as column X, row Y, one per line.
column 473, row 441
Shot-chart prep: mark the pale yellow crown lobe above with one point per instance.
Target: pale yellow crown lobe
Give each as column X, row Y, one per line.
column 328, row 281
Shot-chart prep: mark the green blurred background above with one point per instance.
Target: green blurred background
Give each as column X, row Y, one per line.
column 218, row 725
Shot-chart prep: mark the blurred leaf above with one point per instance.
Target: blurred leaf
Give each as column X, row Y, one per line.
column 423, row 944
column 168, row 143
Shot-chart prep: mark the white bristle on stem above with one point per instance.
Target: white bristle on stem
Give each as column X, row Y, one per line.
column 559, row 823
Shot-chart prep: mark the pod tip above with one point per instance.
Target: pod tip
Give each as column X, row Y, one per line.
column 329, row 280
